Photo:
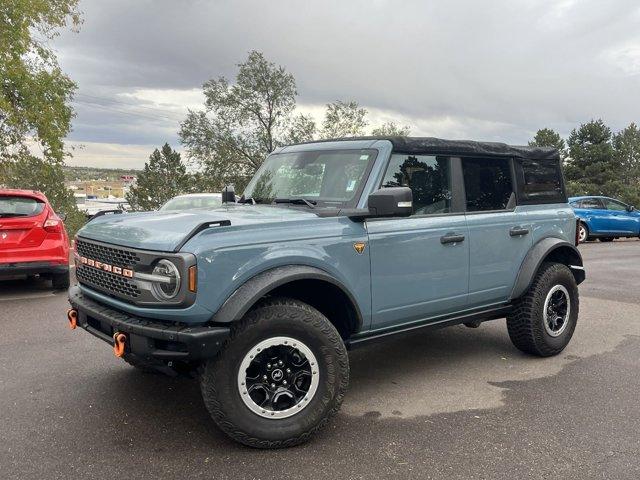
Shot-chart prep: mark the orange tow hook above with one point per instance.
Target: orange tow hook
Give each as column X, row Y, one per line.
column 72, row 315
column 119, row 342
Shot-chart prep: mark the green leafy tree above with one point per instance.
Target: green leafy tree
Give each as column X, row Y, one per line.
column 164, row 176
column 547, row 137
column 626, row 145
column 33, row 173
column 302, row 129
column 391, row 129
column 592, row 168
column 35, row 100
column 34, row 92
column 344, row 119
column 243, row 122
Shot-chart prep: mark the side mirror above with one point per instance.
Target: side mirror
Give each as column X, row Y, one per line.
column 631, row 208
column 391, row 202
column 228, row 194
column 62, row 216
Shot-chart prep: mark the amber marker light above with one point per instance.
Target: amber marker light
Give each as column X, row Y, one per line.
column 193, row 278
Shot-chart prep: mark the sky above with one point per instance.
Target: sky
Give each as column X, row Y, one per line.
column 458, row 69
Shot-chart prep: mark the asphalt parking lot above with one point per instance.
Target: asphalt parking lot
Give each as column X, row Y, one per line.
column 453, row 403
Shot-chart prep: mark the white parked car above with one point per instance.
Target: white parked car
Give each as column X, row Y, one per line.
column 193, row 200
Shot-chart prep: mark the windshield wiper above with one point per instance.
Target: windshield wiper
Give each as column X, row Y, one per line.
column 297, row 201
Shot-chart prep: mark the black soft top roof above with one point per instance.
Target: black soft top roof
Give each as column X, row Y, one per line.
column 438, row 146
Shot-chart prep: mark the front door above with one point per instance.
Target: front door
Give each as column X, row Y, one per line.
column 419, row 264
column 620, row 219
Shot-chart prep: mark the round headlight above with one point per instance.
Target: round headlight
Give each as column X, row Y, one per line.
column 168, row 288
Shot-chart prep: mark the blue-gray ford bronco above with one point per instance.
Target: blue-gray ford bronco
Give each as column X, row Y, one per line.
column 332, row 244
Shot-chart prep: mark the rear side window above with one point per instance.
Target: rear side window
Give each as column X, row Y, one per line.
column 20, row 207
column 540, row 181
column 487, row 183
column 427, row 176
column 591, row 203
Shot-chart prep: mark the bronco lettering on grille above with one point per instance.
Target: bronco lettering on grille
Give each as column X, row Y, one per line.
column 125, row 272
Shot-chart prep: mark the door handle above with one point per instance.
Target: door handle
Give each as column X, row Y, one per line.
column 452, row 238
column 518, row 231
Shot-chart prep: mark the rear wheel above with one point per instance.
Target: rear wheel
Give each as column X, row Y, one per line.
column 279, row 378
column 544, row 319
column 60, row 281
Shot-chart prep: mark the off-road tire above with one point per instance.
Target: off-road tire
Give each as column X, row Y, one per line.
column 279, row 317
column 60, row 281
column 525, row 322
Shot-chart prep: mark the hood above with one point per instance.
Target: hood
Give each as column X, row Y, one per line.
column 164, row 231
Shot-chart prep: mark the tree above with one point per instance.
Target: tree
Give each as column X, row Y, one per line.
column 164, row 176
column 343, row 119
column 35, row 100
column 31, row 173
column 302, row 129
column 391, row 129
column 546, row 137
column 34, row 93
column 626, row 145
column 591, row 168
column 242, row 123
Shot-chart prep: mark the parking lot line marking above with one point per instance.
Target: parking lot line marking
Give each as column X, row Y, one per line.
column 27, row 296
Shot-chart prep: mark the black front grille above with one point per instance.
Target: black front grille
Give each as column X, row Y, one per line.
column 109, row 282
column 110, row 255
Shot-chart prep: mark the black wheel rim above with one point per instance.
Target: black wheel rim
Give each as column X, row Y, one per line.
column 557, row 308
column 278, row 377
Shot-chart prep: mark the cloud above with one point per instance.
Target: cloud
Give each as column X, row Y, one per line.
column 494, row 70
column 109, row 155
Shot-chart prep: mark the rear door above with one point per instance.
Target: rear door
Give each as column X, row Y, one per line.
column 499, row 235
column 592, row 210
column 21, row 222
column 419, row 264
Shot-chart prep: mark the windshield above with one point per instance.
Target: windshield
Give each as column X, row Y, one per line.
column 195, row 201
column 20, row 207
column 329, row 178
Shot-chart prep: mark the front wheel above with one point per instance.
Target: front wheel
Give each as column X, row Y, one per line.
column 543, row 320
column 279, row 378
column 583, row 233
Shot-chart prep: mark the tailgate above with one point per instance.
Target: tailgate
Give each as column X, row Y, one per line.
column 21, row 222
column 21, row 233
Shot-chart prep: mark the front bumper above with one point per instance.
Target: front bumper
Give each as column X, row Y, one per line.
column 32, row 268
column 147, row 340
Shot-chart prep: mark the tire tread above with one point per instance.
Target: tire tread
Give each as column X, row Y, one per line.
column 262, row 313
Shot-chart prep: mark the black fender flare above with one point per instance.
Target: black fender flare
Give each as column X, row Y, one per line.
column 537, row 255
column 250, row 292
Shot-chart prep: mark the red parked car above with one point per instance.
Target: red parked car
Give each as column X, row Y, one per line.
column 33, row 239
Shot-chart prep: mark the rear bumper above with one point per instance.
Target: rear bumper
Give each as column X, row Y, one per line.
column 148, row 340
column 32, row 268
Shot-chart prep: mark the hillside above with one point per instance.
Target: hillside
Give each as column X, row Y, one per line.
column 94, row 173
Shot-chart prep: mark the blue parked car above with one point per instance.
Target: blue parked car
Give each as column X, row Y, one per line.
column 605, row 218
column 332, row 245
